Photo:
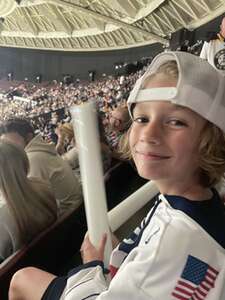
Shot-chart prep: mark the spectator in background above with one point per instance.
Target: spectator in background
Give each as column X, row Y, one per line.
column 45, row 163
column 54, row 118
column 119, row 120
column 66, row 139
column 51, row 136
column 66, row 146
column 213, row 50
column 27, row 204
column 66, row 117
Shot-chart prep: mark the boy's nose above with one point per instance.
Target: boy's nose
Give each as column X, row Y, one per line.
column 151, row 133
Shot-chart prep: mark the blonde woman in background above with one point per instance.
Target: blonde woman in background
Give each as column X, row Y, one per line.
column 66, row 147
column 27, row 204
column 66, row 139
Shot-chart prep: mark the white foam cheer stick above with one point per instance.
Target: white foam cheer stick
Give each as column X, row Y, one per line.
column 126, row 209
column 85, row 124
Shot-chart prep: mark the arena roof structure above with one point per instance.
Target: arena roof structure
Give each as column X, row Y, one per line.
column 96, row 25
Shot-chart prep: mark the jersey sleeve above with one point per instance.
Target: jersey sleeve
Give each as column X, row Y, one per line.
column 91, row 283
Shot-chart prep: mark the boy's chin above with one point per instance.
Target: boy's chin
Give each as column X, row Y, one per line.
column 148, row 175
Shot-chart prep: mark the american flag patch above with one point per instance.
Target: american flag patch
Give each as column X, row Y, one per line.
column 196, row 280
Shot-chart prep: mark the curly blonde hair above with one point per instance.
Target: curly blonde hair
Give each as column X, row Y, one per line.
column 211, row 155
column 211, row 144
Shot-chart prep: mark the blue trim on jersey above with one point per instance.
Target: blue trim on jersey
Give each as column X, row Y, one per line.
column 127, row 247
column 92, row 264
column 209, row 214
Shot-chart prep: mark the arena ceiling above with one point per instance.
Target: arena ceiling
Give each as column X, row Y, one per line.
column 94, row 25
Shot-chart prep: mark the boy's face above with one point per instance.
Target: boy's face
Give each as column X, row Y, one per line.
column 164, row 141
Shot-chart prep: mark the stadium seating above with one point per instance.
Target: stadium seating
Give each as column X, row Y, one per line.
column 50, row 250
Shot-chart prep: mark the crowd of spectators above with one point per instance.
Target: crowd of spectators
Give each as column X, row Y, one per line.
column 37, row 118
column 47, row 105
column 43, row 99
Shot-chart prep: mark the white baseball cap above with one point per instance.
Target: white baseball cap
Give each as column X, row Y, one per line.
column 200, row 87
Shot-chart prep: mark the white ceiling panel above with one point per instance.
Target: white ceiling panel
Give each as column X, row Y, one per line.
column 94, row 25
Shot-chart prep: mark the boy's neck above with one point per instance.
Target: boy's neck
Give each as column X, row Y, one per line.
column 191, row 192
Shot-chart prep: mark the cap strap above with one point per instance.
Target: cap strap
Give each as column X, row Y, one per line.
column 162, row 93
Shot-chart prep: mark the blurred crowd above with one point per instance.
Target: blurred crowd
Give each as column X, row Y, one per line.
column 47, row 105
column 39, row 146
column 43, row 99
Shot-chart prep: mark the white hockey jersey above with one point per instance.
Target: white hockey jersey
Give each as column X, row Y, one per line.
column 172, row 258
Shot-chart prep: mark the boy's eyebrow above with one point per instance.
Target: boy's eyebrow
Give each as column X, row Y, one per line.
column 173, row 107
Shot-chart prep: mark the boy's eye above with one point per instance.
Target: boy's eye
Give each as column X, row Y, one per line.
column 140, row 119
column 177, row 123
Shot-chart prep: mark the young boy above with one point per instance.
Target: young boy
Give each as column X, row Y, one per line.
column 178, row 252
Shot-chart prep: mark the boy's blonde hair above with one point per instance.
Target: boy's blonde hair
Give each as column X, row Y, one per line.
column 211, row 145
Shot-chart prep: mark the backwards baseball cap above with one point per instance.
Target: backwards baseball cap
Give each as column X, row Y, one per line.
column 200, row 87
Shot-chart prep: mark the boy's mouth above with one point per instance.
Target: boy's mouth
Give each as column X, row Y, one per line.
column 152, row 155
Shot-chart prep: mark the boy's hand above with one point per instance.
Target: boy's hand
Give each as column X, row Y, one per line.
column 89, row 252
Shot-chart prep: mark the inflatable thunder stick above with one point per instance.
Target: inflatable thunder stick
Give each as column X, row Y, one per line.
column 85, row 124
